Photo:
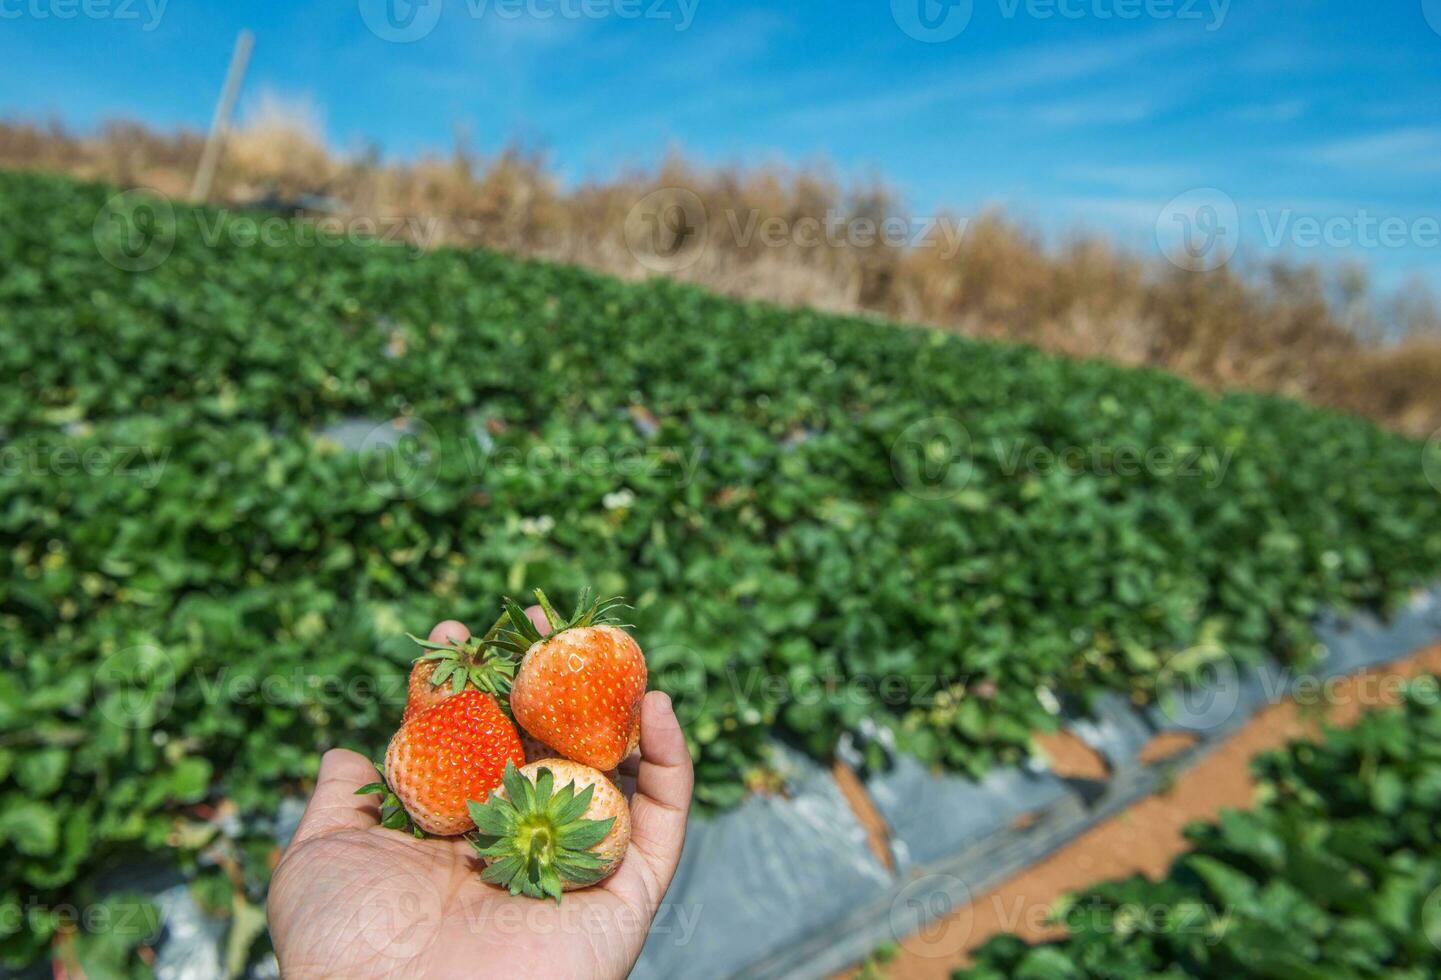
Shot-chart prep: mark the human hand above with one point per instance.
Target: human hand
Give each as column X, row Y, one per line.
column 352, row 899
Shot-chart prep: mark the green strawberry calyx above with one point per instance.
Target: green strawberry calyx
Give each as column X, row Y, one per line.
column 536, row 838
column 483, row 663
column 522, row 634
column 393, row 815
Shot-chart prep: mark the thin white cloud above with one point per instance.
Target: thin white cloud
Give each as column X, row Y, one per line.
column 1409, row 150
column 1123, row 210
column 1014, row 73
column 726, row 48
column 1159, row 177
column 1075, row 112
column 1270, row 112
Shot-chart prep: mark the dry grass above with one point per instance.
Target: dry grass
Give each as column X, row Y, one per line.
column 1274, row 327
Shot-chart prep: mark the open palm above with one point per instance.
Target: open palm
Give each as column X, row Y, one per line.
column 352, row 899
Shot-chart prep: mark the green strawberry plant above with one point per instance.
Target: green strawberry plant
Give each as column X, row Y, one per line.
column 1336, row 873
column 200, row 592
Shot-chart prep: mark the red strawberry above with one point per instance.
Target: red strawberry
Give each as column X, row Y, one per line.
column 541, row 841
column 445, row 756
column 453, row 666
column 422, row 692
column 579, row 687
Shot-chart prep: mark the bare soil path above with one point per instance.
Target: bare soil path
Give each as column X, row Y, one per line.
column 1147, row 837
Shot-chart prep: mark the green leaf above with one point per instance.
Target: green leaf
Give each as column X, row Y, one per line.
column 1230, row 886
column 494, row 817
column 41, row 771
column 517, row 788
column 570, row 805
column 190, row 780
column 1388, row 792
column 582, row 834
column 31, row 826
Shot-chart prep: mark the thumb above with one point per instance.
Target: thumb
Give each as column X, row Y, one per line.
column 334, row 806
column 663, row 792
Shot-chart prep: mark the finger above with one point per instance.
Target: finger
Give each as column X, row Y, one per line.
column 538, row 617
column 663, row 792
column 334, row 806
column 450, row 631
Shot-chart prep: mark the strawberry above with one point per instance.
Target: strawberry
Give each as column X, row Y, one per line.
column 541, row 841
column 443, row 757
column 579, row 687
column 451, row 667
column 534, row 748
column 421, row 691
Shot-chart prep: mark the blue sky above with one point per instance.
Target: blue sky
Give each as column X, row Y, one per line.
column 1070, row 113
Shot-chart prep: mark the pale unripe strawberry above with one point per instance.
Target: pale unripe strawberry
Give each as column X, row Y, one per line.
column 553, row 826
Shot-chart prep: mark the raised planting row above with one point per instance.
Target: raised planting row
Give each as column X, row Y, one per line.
column 1335, row 874
column 821, row 521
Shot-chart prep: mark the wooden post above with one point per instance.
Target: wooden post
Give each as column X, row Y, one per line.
column 210, row 157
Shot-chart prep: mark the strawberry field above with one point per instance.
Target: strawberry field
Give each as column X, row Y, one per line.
column 822, row 523
column 1337, row 873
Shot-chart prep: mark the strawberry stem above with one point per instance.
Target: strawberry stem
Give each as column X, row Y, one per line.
column 483, row 663
column 523, row 634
